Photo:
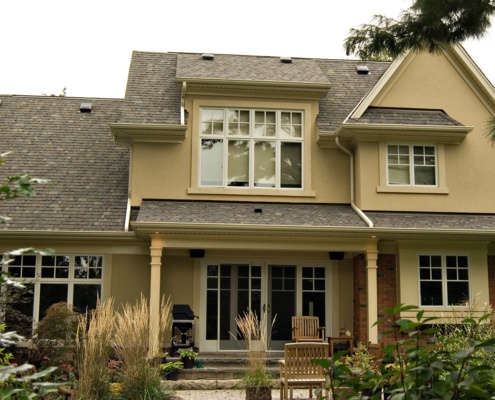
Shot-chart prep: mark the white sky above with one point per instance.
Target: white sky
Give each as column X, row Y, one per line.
column 86, row 45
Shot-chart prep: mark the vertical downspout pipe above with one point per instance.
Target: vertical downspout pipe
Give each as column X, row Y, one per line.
column 363, row 216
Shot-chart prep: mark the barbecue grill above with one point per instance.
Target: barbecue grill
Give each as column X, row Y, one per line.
column 182, row 327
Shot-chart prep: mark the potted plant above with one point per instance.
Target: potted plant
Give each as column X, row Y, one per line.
column 257, row 380
column 187, row 356
column 171, row 369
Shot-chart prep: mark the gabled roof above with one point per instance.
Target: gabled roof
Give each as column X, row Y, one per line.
column 49, row 137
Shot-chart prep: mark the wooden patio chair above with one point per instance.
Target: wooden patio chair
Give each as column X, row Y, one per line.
column 307, row 329
column 297, row 369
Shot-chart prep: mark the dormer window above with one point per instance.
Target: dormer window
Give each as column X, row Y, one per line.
column 412, row 165
column 251, row 148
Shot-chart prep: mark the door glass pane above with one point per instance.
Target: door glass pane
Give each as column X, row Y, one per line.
column 264, row 164
column 212, row 162
column 282, row 303
column 238, row 168
column 313, row 296
column 290, row 165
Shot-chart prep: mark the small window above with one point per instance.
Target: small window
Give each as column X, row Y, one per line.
column 411, row 165
column 444, row 280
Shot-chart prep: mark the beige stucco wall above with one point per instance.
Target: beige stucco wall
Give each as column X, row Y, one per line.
column 170, row 171
column 409, row 274
column 130, row 278
column 434, row 82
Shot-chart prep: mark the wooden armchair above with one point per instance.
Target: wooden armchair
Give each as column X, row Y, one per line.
column 298, row 370
column 307, row 329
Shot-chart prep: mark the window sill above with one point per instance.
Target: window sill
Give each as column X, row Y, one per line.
column 412, row 189
column 251, row 192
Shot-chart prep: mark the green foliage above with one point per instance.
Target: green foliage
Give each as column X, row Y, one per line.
column 188, row 353
column 171, row 366
column 426, row 25
column 420, row 364
column 257, row 377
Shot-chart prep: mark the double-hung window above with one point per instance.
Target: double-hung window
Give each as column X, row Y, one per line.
column 443, row 280
column 251, row 148
column 412, row 165
column 75, row 279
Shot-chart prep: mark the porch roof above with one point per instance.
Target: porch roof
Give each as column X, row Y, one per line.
column 156, row 214
column 211, row 212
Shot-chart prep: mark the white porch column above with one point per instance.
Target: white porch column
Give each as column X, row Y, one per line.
column 156, row 266
column 371, row 293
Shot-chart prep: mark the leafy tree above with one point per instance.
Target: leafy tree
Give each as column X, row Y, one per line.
column 426, row 25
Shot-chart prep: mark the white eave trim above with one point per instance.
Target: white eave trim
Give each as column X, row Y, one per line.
column 356, row 132
column 128, row 134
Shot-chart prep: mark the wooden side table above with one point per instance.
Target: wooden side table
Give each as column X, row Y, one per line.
column 347, row 343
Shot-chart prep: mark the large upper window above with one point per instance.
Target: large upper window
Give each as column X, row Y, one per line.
column 413, row 165
column 75, row 279
column 443, row 280
column 251, row 148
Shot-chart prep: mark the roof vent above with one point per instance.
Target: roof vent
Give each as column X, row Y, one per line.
column 286, row 60
column 85, row 107
column 362, row 70
column 208, row 56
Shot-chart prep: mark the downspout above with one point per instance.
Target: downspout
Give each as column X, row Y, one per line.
column 128, row 209
column 182, row 104
column 363, row 216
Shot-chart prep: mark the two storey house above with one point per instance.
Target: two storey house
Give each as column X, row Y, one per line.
column 286, row 186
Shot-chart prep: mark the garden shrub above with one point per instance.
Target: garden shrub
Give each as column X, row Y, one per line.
column 422, row 363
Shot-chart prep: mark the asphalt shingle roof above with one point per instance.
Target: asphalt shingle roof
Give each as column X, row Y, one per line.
column 208, row 212
column 378, row 115
column 249, row 68
column 49, row 138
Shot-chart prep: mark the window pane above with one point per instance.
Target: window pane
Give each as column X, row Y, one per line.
column 291, row 165
column 238, row 122
column 424, row 176
column 19, row 304
column 238, row 159
column 265, row 123
column 307, row 284
column 50, row 294
column 457, row 292
column 398, row 175
column 264, row 164
column 291, row 127
column 212, row 162
column 431, row 293
column 85, row 297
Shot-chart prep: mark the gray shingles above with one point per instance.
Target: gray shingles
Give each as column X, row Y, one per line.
column 49, row 138
column 202, row 212
column 437, row 221
column 378, row 115
column 249, row 68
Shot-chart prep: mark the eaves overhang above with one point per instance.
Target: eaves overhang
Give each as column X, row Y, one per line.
column 145, row 229
column 255, row 88
column 353, row 133
column 36, row 235
column 128, row 133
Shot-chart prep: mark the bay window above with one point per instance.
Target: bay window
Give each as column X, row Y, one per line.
column 251, row 148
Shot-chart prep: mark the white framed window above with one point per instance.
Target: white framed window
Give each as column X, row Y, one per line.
column 73, row 278
column 412, row 165
column 251, row 148
column 443, row 280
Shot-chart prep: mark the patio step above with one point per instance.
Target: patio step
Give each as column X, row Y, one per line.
column 217, row 372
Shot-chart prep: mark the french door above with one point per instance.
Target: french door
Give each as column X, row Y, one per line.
column 274, row 292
